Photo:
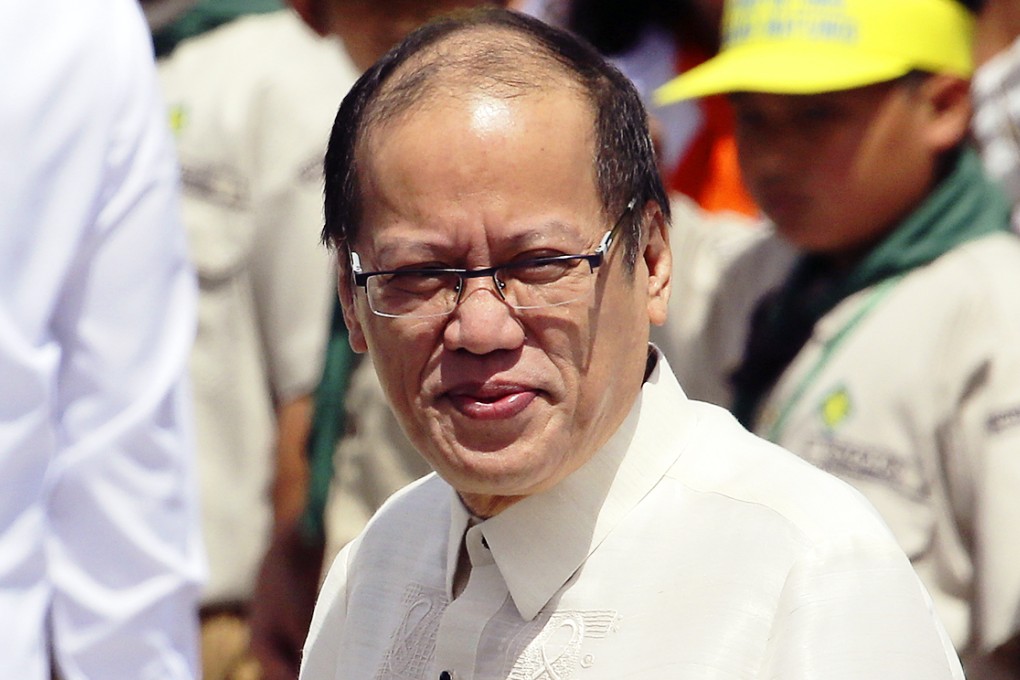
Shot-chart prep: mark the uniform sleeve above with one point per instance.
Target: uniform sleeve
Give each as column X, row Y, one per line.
column 124, row 548
column 292, row 275
column 857, row 611
column 994, row 419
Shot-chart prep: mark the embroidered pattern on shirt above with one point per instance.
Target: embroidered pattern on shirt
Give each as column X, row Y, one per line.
column 842, row 457
column 552, row 645
column 413, row 644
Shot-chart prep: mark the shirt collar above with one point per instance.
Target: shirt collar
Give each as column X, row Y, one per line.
column 539, row 542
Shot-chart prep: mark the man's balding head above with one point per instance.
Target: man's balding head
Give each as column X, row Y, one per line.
column 498, row 54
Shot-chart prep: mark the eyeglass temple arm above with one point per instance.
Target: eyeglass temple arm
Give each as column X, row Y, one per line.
column 607, row 240
column 356, row 270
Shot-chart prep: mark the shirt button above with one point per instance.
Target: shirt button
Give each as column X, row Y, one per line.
column 446, row 675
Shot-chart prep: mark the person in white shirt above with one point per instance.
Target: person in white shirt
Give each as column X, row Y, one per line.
column 501, row 232
column 251, row 104
column 100, row 552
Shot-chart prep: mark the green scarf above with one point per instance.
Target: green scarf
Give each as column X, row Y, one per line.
column 205, row 16
column 964, row 206
column 328, row 425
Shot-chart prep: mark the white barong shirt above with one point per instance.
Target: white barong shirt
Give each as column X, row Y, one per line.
column 685, row 548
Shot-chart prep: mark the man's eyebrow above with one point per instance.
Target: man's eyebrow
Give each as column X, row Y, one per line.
column 553, row 233
column 403, row 249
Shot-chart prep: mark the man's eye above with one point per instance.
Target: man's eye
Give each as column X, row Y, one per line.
column 417, row 282
column 541, row 271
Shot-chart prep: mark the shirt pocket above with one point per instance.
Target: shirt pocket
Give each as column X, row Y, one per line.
column 221, row 234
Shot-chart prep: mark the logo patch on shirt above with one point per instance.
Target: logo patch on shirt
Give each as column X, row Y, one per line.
column 835, row 407
column 178, row 118
column 845, row 458
column 554, row 651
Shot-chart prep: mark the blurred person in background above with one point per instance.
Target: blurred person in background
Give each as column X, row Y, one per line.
column 100, row 551
column 249, row 104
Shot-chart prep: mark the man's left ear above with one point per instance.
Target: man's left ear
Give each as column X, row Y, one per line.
column 659, row 260
column 345, row 290
column 949, row 110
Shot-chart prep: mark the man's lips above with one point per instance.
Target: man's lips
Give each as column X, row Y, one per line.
column 498, row 403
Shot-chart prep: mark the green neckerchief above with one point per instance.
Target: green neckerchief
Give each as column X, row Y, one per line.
column 327, row 426
column 964, row 206
column 205, row 16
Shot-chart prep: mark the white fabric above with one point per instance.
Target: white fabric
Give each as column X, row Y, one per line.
column 918, row 405
column 996, row 124
column 98, row 513
column 685, row 548
column 253, row 103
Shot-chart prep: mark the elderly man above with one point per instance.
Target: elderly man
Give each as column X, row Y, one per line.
column 501, row 231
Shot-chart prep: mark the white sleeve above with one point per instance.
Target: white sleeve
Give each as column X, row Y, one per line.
column 857, row 611
column 319, row 660
column 98, row 303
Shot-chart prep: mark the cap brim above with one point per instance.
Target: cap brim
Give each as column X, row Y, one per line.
column 795, row 69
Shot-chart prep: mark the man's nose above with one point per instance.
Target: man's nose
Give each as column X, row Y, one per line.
column 483, row 322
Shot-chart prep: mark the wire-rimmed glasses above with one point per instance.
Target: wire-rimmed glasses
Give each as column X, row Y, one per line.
column 526, row 284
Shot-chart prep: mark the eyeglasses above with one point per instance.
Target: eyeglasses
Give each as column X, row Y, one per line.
column 525, row 284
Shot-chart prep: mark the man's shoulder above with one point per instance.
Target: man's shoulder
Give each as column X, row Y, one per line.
column 725, row 459
column 405, row 514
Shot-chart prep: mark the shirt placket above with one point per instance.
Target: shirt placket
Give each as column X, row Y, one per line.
column 465, row 619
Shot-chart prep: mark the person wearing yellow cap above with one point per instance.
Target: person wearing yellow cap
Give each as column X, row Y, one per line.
column 874, row 329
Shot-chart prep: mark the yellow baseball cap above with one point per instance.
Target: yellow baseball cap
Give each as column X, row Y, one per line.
column 812, row 46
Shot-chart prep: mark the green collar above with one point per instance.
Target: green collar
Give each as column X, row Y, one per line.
column 204, row 16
